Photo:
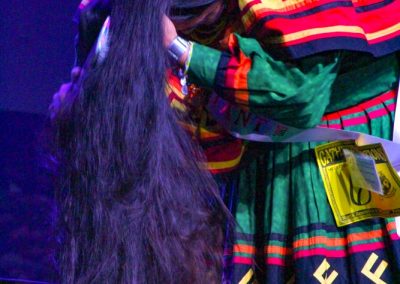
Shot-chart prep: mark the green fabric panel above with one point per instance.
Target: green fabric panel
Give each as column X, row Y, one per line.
column 203, row 65
column 377, row 124
column 245, row 207
column 243, row 254
column 244, row 242
column 281, row 220
column 339, row 248
column 361, row 77
column 276, row 243
column 313, row 233
column 277, row 255
column 294, row 95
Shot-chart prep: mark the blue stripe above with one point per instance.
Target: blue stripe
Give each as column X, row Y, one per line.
column 330, row 44
column 375, row 6
column 311, row 11
column 220, row 76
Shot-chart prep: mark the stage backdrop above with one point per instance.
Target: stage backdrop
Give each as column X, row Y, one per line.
column 36, row 55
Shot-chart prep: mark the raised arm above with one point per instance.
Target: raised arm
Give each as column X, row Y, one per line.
column 246, row 75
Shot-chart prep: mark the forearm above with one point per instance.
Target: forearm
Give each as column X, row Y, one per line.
column 246, row 75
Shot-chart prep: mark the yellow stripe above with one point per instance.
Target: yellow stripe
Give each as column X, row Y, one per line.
column 384, row 32
column 170, row 87
column 277, row 4
column 204, row 133
column 246, row 279
column 178, row 105
column 225, row 164
column 285, row 5
column 274, row 5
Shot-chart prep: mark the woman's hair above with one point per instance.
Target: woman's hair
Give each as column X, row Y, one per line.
column 90, row 19
column 135, row 203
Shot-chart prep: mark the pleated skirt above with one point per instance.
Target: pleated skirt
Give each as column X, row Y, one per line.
column 285, row 231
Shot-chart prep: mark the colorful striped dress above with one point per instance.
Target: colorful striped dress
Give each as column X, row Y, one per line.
column 303, row 63
column 340, row 71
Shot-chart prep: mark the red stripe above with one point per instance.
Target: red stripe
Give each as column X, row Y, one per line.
column 388, row 95
column 320, row 251
column 364, row 3
column 242, row 260
column 330, row 35
column 377, row 113
column 231, row 68
column 317, row 252
column 339, row 253
column 354, row 121
column 232, row 64
column 332, row 116
column 395, row 237
column 322, row 36
column 370, row 22
column 351, row 111
column 363, row 106
column 372, row 103
column 173, row 96
column 391, row 107
column 366, row 247
column 275, row 261
column 286, row 10
column 226, row 152
column 221, row 171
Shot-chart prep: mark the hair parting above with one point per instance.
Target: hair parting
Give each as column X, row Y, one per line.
column 135, row 206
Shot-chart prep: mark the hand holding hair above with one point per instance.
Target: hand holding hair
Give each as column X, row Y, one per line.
column 170, row 34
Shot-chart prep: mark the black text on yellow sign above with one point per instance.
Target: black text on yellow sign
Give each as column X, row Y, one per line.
column 350, row 203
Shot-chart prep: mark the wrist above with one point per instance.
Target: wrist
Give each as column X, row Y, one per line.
column 179, row 49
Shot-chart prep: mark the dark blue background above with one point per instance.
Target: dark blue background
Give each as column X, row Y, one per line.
column 36, row 51
column 36, row 55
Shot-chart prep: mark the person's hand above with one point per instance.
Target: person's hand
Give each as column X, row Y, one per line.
column 169, row 31
column 169, row 35
column 63, row 92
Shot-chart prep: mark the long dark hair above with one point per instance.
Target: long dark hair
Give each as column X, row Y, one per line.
column 135, row 203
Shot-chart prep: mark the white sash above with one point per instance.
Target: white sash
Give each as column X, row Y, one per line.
column 248, row 126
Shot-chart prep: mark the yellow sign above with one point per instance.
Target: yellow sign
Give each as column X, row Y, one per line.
column 348, row 202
